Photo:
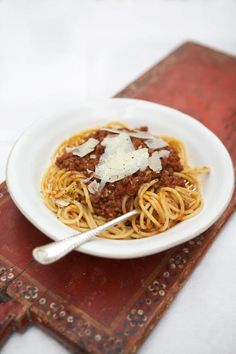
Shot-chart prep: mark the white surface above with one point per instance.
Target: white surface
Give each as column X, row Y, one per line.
column 96, row 47
column 24, row 183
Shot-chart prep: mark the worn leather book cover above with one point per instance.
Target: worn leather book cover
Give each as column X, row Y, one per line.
column 96, row 305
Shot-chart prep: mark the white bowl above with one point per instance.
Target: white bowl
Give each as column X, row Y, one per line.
column 31, row 154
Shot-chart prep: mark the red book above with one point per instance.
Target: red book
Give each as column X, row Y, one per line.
column 109, row 306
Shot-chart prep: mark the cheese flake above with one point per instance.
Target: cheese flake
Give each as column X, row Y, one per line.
column 85, row 148
column 93, row 187
column 154, row 162
column 136, row 134
column 156, row 143
column 86, row 180
column 163, row 153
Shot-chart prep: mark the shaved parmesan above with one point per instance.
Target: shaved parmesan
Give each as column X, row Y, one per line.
column 163, row 153
column 122, row 165
column 121, row 141
column 85, row 148
column 93, row 187
column 120, row 159
column 140, row 135
column 156, row 143
column 62, row 203
column 154, row 162
column 85, row 180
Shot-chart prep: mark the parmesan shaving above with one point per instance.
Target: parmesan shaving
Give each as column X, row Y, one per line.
column 93, row 187
column 122, row 165
column 154, row 162
column 121, row 141
column 140, row 135
column 85, row 148
column 163, row 153
column 156, row 143
column 85, row 180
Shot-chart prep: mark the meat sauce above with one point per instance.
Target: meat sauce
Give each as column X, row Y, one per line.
column 108, row 202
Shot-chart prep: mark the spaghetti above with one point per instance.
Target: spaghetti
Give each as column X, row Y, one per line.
column 164, row 195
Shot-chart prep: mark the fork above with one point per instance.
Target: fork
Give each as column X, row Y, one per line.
column 54, row 251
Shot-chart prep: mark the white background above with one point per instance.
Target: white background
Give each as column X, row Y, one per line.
column 55, row 53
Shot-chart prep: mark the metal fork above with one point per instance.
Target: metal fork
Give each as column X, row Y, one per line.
column 56, row 250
